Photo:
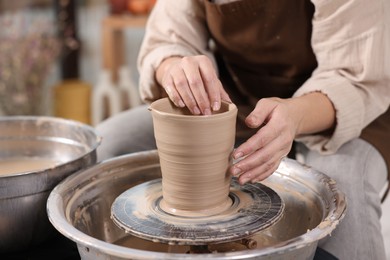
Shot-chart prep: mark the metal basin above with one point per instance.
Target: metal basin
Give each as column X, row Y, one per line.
column 23, row 196
column 79, row 207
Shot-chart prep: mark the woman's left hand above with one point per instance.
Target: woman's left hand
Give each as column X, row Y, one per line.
column 262, row 153
column 279, row 122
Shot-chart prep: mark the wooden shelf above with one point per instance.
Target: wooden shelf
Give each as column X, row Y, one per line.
column 113, row 45
column 123, row 21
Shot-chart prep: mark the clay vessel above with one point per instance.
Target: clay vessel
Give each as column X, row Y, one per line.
column 195, row 152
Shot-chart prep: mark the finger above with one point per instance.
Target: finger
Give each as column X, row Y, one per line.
column 260, row 114
column 181, row 84
column 195, row 82
column 268, row 173
column 211, row 82
column 258, row 166
column 213, row 87
column 260, row 174
column 171, row 91
column 263, row 137
column 223, row 96
column 251, row 161
column 263, row 158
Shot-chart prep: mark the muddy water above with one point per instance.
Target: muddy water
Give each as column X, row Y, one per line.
column 17, row 165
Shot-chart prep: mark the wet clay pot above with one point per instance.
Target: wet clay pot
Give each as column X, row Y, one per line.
column 195, row 152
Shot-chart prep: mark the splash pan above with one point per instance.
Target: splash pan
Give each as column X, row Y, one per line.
column 80, row 208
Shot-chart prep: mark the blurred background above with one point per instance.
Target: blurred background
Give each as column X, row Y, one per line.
column 72, row 59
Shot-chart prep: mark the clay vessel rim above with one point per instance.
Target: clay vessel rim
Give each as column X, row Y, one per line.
column 231, row 109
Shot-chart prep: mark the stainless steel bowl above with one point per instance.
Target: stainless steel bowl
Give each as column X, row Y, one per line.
column 23, row 196
column 79, row 207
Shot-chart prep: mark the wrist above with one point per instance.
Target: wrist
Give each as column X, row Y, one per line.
column 313, row 113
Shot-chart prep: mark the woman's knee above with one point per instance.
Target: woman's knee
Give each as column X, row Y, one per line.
column 127, row 132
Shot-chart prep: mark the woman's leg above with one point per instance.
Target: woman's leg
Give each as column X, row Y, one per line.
column 360, row 172
column 127, row 132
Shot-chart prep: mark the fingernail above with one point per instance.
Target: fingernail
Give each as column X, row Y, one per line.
column 196, row 110
column 168, row 90
column 216, row 106
column 244, row 180
column 181, row 104
column 236, row 171
column 207, row 111
column 238, row 155
column 252, row 120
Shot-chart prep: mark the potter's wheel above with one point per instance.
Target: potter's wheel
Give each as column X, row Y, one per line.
column 254, row 207
column 80, row 207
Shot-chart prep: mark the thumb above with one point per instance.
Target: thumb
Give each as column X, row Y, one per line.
column 260, row 115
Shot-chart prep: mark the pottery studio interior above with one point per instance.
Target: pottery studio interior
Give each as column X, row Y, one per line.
column 194, row 129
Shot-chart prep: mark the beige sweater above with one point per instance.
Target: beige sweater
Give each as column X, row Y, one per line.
column 351, row 41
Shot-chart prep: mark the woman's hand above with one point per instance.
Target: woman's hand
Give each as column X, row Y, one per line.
column 279, row 122
column 263, row 152
column 192, row 82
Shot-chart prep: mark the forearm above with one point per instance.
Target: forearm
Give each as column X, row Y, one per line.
column 351, row 69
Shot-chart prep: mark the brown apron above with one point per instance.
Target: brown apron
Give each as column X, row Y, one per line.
column 263, row 49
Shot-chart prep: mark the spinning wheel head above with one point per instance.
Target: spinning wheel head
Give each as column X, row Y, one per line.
column 138, row 211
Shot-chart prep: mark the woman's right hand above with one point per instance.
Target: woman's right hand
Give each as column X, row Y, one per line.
column 192, row 82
